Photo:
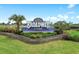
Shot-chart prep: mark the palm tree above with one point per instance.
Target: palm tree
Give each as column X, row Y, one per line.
column 60, row 26
column 18, row 19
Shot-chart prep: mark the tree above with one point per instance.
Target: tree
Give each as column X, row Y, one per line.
column 60, row 26
column 18, row 20
column 8, row 22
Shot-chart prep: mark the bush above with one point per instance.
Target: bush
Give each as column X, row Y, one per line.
column 7, row 28
column 73, row 35
column 59, row 31
column 36, row 35
column 19, row 32
column 10, row 30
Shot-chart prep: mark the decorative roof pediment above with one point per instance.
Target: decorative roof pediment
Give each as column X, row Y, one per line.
column 38, row 20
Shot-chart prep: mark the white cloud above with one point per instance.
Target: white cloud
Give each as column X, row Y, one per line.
column 63, row 17
column 72, row 18
column 58, row 18
column 77, row 17
column 70, row 6
column 53, row 17
column 66, row 16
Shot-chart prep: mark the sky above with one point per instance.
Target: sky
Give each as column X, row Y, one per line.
column 48, row 12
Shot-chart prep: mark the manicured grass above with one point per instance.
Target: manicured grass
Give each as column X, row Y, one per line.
column 12, row 46
column 35, row 35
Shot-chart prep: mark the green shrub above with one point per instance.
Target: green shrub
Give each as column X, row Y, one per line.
column 73, row 35
column 35, row 35
column 9, row 28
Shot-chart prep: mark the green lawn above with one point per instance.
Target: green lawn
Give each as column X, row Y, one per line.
column 8, row 45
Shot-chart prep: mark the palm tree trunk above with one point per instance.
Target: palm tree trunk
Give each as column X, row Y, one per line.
column 18, row 26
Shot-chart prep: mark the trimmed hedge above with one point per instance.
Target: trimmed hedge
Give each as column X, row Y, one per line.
column 35, row 35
